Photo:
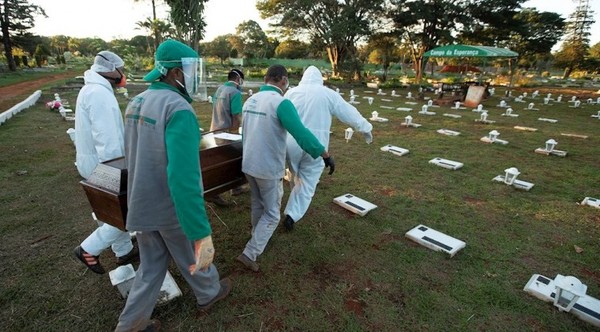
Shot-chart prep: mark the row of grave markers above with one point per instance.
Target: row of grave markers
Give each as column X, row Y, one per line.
column 568, row 294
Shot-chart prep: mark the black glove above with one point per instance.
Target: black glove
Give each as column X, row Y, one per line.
column 329, row 163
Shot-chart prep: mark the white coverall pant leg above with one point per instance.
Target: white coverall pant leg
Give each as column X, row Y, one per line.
column 107, row 236
column 156, row 249
column 266, row 203
column 306, row 173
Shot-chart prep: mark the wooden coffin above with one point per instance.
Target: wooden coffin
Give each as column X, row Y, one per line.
column 106, row 188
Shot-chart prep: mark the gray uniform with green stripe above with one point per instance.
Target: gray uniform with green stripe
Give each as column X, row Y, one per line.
column 165, row 204
column 227, row 102
column 268, row 117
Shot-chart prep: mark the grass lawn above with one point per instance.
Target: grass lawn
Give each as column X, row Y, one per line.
column 336, row 271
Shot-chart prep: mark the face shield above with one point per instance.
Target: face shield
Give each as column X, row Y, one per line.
column 190, row 69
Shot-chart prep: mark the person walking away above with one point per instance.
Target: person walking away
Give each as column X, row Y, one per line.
column 268, row 117
column 164, row 189
column 99, row 138
column 227, row 115
column 316, row 105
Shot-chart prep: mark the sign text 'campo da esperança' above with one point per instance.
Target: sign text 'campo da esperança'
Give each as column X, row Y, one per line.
column 455, row 52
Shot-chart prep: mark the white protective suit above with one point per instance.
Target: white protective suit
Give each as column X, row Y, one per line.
column 316, row 104
column 98, row 124
column 98, row 138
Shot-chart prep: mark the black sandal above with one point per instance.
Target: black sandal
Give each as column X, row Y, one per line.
column 91, row 261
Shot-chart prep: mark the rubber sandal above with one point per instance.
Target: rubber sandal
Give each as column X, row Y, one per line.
column 91, row 261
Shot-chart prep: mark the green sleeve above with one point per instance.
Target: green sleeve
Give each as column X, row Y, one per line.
column 236, row 104
column 182, row 139
column 287, row 114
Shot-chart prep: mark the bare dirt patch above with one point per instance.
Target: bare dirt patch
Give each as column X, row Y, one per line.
column 13, row 94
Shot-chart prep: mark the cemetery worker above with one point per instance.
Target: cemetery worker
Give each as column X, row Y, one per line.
column 316, row 104
column 98, row 138
column 227, row 115
column 268, row 117
column 164, row 188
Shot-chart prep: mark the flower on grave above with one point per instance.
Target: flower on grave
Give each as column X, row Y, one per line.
column 54, row 105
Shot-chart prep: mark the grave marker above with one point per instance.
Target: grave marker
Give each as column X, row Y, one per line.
column 510, row 178
column 434, row 240
column 446, row 163
column 574, row 301
column 549, row 149
column 354, row 204
column 398, row 151
column 492, row 137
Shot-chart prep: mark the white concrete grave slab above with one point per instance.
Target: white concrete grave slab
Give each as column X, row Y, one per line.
column 510, row 178
column 525, row 128
column 369, row 91
column 394, row 94
column 483, row 118
column 503, row 104
column 424, row 110
column 597, row 116
column 531, row 107
column 593, row 202
column 509, row 113
column 381, row 93
column 396, row 150
column 446, row 163
column 409, row 95
column 585, row 307
column 479, row 109
column 457, row 106
column 387, row 107
column 450, row 115
column 408, row 122
column 576, row 104
column 492, row 137
column 430, row 103
column 448, row 132
column 354, row 204
column 122, row 277
column 410, row 102
column 550, row 150
column 404, row 109
column 386, row 100
column 559, row 99
column 548, row 120
column 574, row 135
column 434, row 240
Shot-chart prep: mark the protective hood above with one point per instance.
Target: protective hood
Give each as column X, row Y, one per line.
column 312, row 75
column 92, row 77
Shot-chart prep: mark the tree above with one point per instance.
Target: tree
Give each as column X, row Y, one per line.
column 384, row 50
column 292, row 49
column 535, row 36
column 595, row 51
column 334, row 25
column 254, row 39
column 154, row 18
column 575, row 47
column 16, row 16
column 490, row 22
column 186, row 15
column 159, row 29
column 219, row 47
column 423, row 24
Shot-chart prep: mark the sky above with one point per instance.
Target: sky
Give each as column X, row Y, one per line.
column 111, row 19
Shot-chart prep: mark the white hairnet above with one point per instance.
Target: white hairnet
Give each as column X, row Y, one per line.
column 106, row 62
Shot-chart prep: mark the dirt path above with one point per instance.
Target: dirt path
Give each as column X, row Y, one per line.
column 13, row 94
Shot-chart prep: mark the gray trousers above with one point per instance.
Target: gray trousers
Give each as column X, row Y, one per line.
column 156, row 250
column 266, row 204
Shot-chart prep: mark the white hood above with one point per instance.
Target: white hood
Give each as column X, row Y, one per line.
column 312, row 75
column 316, row 104
column 98, row 124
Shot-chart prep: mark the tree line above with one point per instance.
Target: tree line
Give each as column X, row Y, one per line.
column 347, row 33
